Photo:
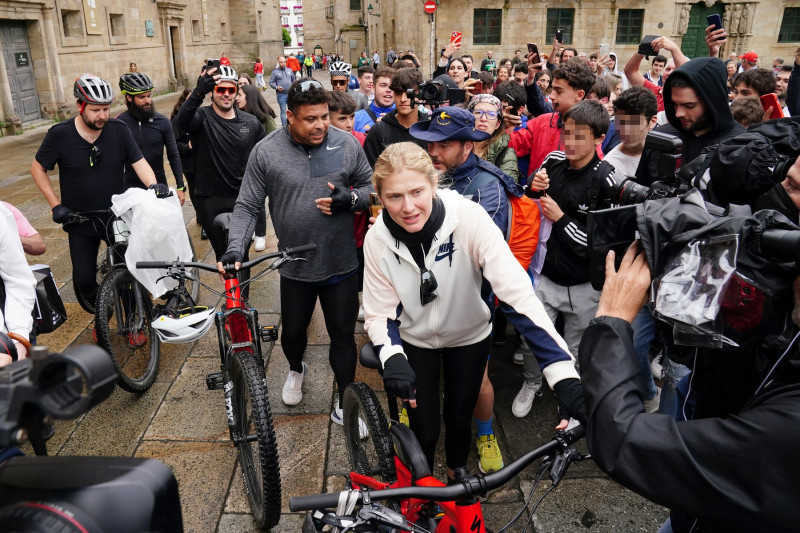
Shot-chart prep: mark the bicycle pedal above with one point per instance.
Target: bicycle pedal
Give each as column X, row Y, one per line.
column 269, row 333
column 214, row 381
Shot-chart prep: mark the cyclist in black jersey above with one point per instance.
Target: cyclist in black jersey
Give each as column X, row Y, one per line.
column 91, row 151
column 152, row 131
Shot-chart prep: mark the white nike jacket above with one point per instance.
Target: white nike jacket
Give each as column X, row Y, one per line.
column 466, row 248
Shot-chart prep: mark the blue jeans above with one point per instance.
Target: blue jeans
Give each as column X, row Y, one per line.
column 674, row 374
column 282, row 97
column 644, row 331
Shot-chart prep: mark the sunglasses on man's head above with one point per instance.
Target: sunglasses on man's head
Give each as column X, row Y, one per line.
column 226, row 90
column 94, row 155
column 307, row 85
column 427, row 287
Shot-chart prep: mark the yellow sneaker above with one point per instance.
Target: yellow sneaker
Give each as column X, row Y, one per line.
column 404, row 417
column 491, row 460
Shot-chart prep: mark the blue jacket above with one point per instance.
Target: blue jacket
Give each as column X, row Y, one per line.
column 493, row 196
column 283, row 77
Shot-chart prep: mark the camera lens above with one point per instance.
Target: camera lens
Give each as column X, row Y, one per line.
column 627, row 192
column 431, row 91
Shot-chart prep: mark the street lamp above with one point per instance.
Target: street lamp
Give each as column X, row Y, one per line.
column 370, row 10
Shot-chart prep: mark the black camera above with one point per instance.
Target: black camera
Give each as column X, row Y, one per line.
column 91, row 494
column 670, row 182
column 434, row 93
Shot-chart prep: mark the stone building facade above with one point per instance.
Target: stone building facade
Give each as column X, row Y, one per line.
column 751, row 24
column 46, row 44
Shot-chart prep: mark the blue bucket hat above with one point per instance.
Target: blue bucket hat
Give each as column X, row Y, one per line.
column 448, row 124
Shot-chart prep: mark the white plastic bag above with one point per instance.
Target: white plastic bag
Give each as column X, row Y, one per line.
column 157, row 233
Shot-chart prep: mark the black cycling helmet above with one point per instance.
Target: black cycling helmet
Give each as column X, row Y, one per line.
column 7, row 346
column 91, row 89
column 134, row 83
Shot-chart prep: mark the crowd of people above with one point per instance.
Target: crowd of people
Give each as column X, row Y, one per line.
column 442, row 272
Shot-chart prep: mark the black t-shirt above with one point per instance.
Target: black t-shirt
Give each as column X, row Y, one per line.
column 86, row 187
column 221, row 146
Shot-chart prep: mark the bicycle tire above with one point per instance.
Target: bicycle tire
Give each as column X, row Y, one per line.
column 258, row 458
column 136, row 366
column 193, row 286
column 374, row 455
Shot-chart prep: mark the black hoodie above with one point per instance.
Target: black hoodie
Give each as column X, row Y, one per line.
column 389, row 131
column 707, row 76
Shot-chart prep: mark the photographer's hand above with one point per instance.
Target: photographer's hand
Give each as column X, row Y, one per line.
column 715, row 39
column 625, row 291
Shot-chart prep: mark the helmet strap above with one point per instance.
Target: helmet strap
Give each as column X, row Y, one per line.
column 83, row 106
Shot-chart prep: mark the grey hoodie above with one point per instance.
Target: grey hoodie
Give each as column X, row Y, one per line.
column 293, row 176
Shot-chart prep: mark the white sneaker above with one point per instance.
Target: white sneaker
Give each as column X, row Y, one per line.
column 260, row 244
column 657, row 366
column 293, row 388
column 337, row 415
column 651, row 406
column 524, row 399
column 518, row 359
column 360, row 317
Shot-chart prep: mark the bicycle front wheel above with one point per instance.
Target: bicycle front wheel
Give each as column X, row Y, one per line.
column 254, row 437
column 372, row 456
column 124, row 314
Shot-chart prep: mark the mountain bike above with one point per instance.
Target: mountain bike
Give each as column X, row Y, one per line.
column 124, row 309
column 390, row 466
column 242, row 378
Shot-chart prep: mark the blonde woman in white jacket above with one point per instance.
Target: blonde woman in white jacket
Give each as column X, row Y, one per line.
column 425, row 258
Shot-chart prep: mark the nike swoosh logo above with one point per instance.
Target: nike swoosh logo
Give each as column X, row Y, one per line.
column 442, row 255
column 333, row 147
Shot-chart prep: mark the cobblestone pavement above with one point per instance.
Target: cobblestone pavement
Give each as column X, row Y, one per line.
column 181, row 423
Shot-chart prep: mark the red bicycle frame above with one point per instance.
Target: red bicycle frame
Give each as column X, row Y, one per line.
column 458, row 517
column 236, row 324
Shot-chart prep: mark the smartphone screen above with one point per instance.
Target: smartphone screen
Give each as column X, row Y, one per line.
column 560, row 36
column 716, row 21
column 605, row 49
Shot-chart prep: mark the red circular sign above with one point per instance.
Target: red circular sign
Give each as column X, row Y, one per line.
column 430, row 6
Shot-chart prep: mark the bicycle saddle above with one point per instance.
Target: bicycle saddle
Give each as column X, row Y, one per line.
column 223, row 222
column 369, row 357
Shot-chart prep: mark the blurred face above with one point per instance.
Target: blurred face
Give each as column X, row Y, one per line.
column 544, row 83
column 408, row 198
column 132, row 67
column 612, row 62
column 243, row 81
column 489, row 54
column 383, row 94
column 224, row 95
column 457, row 72
column 593, row 63
column 281, row 62
column 468, row 62
column 502, row 75
column 309, row 123
column 567, row 55
column 483, row 119
column 343, row 122
column 448, row 155
column 96, row 116
column 520, row 77
column 633, row 129
column 657, row 67
column 731, row 68
column 241, row 100
column 690, row 110
column 517, row 54
column 403, row 103
column 743, row 91
column 563, row 96
column 339, row 83
column 781, row 83
column 366, row 83
column 669, row 68
column 579, row 144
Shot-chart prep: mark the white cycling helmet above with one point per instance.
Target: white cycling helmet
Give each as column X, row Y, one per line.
column 227, row 73
column 340, row 68
column 187, row 327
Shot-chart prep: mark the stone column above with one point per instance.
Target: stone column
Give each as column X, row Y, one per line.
column 11, row 120
column 62, row 108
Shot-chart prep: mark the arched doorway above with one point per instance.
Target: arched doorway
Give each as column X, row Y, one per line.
column 694, row 39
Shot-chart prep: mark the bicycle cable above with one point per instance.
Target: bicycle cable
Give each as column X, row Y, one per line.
column 546, row 462
column 533, row 511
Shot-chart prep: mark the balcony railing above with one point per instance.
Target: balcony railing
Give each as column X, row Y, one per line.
column 329, row 11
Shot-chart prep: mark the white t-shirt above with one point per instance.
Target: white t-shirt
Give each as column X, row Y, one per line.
column 624, row 165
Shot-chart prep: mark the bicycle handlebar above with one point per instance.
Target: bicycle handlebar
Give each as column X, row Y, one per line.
column 213, row 267
column 470, row 486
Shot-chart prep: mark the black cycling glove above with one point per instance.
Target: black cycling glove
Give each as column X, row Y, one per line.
column 569, row 393
column 399, row 377
column 342, row 200
column 61, row 214
column 205, row 84
column 162, row 191
column 230, row 258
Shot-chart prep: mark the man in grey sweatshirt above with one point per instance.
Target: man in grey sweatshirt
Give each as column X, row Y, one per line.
column 315, row 178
